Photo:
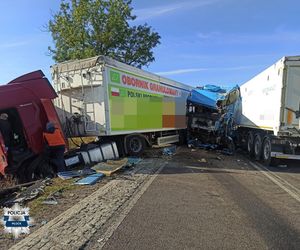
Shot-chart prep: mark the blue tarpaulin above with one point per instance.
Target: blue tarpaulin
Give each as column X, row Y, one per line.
column 207, row 96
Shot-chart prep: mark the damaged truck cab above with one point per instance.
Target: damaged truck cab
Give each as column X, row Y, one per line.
column 27, row 104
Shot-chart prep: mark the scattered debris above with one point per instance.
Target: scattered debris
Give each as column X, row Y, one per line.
column 52, row 198
column 133, row 161
column 203, row 160
column 44, row 222
column 75, row 173
column 195, row 143
column 282, row 166
column 14, row 188
column 226, row 151
column 90, row 180
column 219, row 158
column 31, row 192
column 169, row 150
column 50, row 201
column 110, row 167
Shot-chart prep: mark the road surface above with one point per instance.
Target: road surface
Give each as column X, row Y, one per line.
column 200, row 202
column 193, row 200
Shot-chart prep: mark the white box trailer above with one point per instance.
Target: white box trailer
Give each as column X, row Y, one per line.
column 267, row 115
column 102, row 97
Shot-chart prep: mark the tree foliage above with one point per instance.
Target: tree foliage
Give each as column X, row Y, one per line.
column 86, row 28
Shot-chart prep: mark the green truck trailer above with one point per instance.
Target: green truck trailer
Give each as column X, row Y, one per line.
column 113, row 101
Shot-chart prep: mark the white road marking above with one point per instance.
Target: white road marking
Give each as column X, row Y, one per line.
column 278, row 181
column 283, row 180
column 233, row 171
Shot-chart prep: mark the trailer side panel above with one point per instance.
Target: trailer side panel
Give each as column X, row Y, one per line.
column 141, row 104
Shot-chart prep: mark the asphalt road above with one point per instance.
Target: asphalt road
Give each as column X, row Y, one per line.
column 200, row 202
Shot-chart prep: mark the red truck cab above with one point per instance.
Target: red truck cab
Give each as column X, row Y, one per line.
column 27, row 101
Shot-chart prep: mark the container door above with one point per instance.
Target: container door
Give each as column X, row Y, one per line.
column 292, row 97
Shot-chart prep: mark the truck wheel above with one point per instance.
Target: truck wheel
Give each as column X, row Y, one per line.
column 135, row 145
column 266, row 153
column 257, row 147
column 250, row 144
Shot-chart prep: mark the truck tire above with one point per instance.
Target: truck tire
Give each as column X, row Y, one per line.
column 250, row 143
column 266, row 153
column 135, row 145
column 258, row 146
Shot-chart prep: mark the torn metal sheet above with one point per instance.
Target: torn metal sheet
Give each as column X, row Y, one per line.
column 207, row 96
column 30, row 193
column 75, row 173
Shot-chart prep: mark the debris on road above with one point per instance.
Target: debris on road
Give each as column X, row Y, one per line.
column 227, row 151
column 195, row 143
column 282, row 166
column 75, row 173
column 50, row 201
column 30, row 193
column 110, row 167
column 44, row 222
column 90, row 180
column 169, row 150
column 133, row 161
column 52, row 198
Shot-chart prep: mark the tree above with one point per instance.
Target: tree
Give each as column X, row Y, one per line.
column 86, row 28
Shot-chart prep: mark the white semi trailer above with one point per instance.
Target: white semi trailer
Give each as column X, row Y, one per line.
column 266, row 117
column 105, row 98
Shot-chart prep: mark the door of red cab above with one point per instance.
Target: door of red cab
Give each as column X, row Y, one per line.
column 51, row 114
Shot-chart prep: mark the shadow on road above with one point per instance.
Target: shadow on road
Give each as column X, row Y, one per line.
column 188, row 160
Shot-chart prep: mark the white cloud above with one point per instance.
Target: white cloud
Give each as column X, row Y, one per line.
column 191, row 70
column 243, row 38
column 180, row 71
column 214, row 57
column 13, row 44
column 148, row 13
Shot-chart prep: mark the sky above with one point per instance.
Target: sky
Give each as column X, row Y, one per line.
column 221, row 42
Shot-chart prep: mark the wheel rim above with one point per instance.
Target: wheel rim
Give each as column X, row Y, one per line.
column 267, row 150
column 250, row 142
column 135, row 145
column 257, row 146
